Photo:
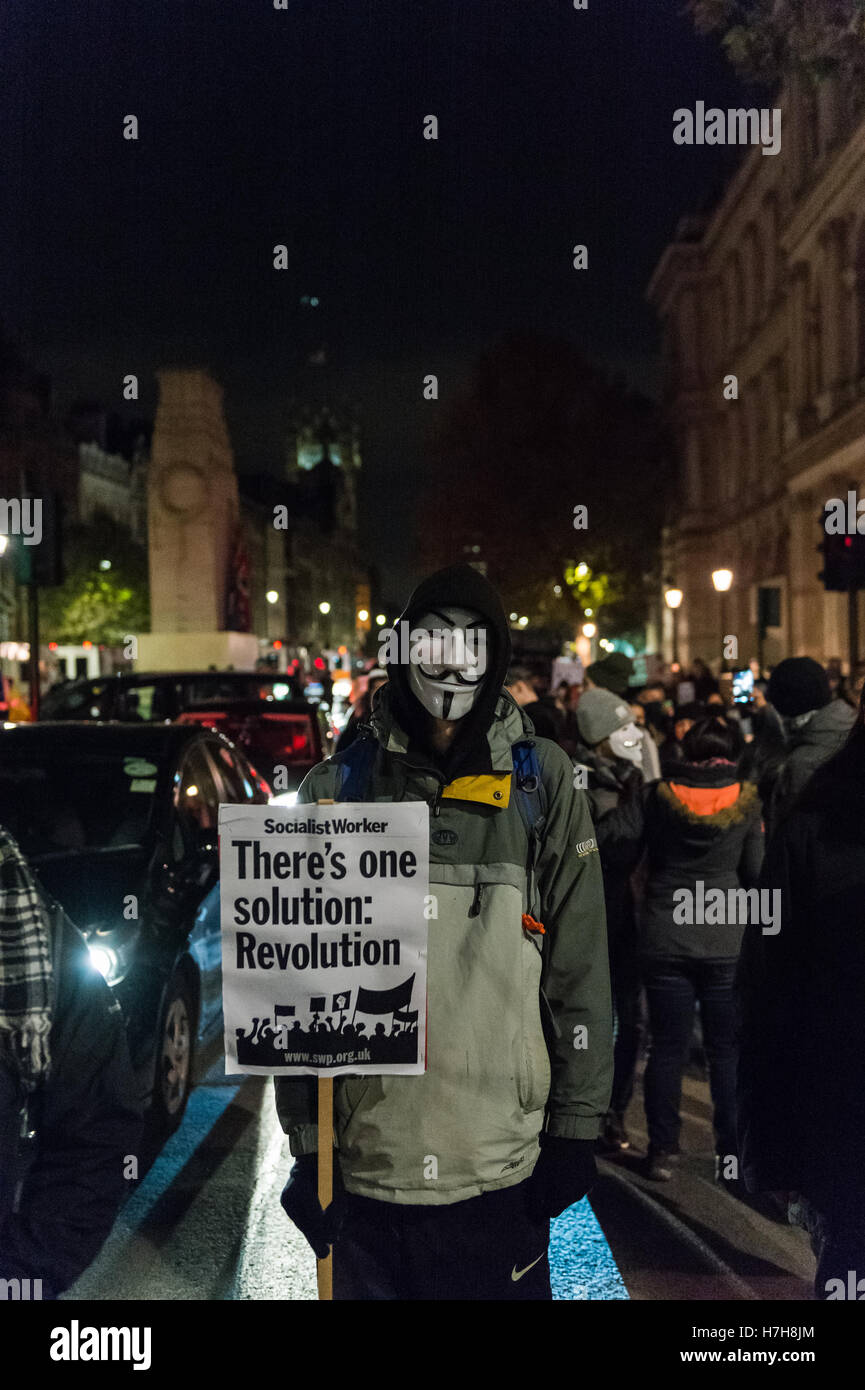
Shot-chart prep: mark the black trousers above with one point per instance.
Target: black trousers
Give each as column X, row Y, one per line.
column 486, row 1248
column 626, row 985
column 672, row 988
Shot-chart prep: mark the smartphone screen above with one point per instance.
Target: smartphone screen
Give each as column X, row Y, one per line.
column 743, row 686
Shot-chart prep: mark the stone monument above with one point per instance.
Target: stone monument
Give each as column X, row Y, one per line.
column 192, row 516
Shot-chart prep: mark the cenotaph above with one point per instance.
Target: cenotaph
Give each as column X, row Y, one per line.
column 192, row 516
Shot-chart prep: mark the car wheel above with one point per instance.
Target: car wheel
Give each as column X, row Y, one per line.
column 173, row 1077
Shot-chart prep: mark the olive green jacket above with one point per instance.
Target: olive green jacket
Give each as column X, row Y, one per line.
column 519, row 1030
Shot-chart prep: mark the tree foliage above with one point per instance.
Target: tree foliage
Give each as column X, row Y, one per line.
column 103, row 606
column 767, row 39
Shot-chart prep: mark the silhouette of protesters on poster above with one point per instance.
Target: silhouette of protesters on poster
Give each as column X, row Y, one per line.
column 271, row 1042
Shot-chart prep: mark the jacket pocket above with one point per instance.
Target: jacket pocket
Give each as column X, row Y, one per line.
column 535, row 1074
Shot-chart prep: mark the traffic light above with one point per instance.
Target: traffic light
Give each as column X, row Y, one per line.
column 843, row 559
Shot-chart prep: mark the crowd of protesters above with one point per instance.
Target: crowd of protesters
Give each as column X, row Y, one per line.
column 692, row 791
column 727, row 859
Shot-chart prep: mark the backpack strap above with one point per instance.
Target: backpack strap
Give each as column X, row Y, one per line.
column 531, row 799
column 531, row 794
column 356, row 765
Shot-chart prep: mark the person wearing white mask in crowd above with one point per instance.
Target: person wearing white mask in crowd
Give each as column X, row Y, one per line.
column 609, row 764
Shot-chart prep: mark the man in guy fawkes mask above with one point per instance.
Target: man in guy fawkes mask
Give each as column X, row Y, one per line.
column 519, row 1044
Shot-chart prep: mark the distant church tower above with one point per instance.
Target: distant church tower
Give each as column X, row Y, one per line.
column 323, row 461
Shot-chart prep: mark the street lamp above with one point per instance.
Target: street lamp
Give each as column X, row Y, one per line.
column 272, row 596
column 324, row 608
column 589, row 629
column 722, row 579
column 380, row 619
column 673, row 599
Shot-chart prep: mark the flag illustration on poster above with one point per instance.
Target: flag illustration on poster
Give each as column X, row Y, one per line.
column 324, row 935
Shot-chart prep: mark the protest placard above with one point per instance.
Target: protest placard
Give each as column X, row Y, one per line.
column 324, row 938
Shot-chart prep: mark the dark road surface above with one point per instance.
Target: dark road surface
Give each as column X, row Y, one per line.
column 205, row 1222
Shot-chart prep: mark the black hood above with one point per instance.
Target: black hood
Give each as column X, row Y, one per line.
column 463, row 587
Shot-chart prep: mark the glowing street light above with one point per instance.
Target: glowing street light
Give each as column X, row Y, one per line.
column 363, row 615
column 380, row 619
column 105, row 564
column 673, row 599
column 272, row 596
column 589, row 629
column 722, row 579
column 524, row 622
column 324, row 608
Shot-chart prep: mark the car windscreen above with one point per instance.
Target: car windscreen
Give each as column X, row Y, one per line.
column 76, row 701
column 61, row 800
column 283, row 734
column 220, row 688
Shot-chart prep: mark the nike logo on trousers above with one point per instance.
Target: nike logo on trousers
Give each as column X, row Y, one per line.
column 515, row 1274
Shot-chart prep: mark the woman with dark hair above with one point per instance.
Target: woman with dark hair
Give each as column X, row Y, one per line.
column 702, row 832
column 802, row 1046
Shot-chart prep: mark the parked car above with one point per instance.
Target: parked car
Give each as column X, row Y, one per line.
column 254, row 709
column 133, row 696
column 119, row 823
column 289, row 733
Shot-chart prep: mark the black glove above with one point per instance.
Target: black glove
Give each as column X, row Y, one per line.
column 300, row 1202
column 562, row 1175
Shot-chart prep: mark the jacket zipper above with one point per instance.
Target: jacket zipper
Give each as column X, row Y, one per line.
column 475, row 909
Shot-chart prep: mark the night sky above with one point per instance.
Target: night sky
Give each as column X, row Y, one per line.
column 304, row 126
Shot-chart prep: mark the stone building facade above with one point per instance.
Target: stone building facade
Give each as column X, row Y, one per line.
column 768, row 288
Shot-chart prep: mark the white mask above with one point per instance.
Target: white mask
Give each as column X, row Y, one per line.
column 450, row 682
column 627, row 743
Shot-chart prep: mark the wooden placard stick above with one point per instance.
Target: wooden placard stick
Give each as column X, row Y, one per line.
column 325, row 1159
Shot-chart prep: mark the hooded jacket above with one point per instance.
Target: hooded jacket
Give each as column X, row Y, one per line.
column 809, row 746
column 608, row 780
column 702, row 830
column 495, row 1075
column 801, row 1086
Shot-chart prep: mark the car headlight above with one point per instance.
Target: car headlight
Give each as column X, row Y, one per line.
column 103, row 959
column 284, row 799
column 112, row 962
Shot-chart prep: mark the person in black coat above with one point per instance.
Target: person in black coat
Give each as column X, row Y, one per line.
column 69, row 1113
column 609, row 760
column 816, row 726
column 702, row 832
column 801, row 991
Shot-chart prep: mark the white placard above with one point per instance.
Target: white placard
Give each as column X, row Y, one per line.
column 324, row 938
